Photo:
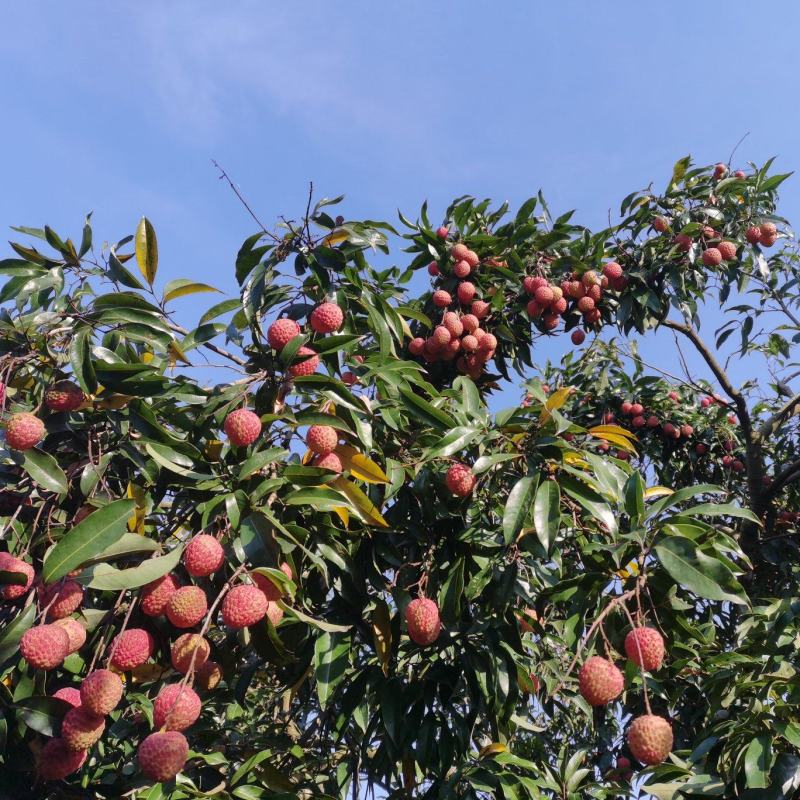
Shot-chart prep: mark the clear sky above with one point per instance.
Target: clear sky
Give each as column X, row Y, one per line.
column 120, row 108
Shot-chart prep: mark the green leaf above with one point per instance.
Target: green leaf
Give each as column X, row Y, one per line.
column 12, row 633
column 518, row 507
column 259, row 460
column 701, row 574
column 80, row 357
column 634, row 498
column 104, row 577
column 146, row 249
column 183, row 286
column 331, row 660
column 453, row 442
column 99, row 530
column 42, row 714
column 547, row 513
column 44, row 469
column 321, row 624
column 427, row 412
column 758, row 761
column 720, row 510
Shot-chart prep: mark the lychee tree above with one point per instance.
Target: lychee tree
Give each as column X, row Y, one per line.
column 290, row 552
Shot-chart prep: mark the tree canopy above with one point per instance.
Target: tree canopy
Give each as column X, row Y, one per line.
column 321, row 566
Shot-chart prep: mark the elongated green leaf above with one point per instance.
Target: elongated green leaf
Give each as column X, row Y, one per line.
column 146, row 249
column 183, row 286
column 720, row 510
column 634, row 498
column 259, row 460
column 44, row 469
column 453, row 442
column 758, row 761
column 42, row 714
column 12, row 633
column 427, row 412
column 518, row 507
column 591, row 501
column 331, row 659
column 547, row 513
column 80, row 357
column 701, row 574
column 105, row 577
column 323, row 625
column 680, row 495
column 85, row 540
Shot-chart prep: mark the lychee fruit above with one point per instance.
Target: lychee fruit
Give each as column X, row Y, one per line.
column 712, row 257
column 533, row 282
column 322, row 439
column 329, row 461
column 422, row 620
column 64, row 396
column 24, row 431
column 460, row 479
column 653, row 421
column 686, row 431
column 479, row 309
column 442, row 232
column 466, row 292
column 650, row 739
column 578, row 336
column 433, row 269
column 176, row 707
column 441, row 336
column 441, row 298
column 185, row 647
column 243, row 426
column 753, row 234
column 308, row 365
column 270, row 589
column 156, row 594
column 69, row 694
column 61, row 599
column 727, row 250
column 76, row 633
column 326, row 318
column 13, row 591
column 187, row 606
column 472, row 259
column 44, row 646
column 638, row 422
column 470, row 323
column 469, row 343
column 600, row 681
column 203, row 556
column 544, row 296
column 459, row 252
column 416, row 346
column 637, row 409
column 585, row 304
column 244, row 605
column 683, row 242
column 534, row 309
column 281, row 332
column 131, row 649
column 209, row 675
column 56, row 760
column 101, row 691
column 80, row 728
column 162, row 755
column 720, row 170
column 461, row 269
column 274, row 613
column 661, row 224
column 645, row 647
column 453, row 324
column 612, row 270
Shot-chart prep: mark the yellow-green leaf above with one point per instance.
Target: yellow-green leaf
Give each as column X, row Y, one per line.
column 360, row 503
column 184, row 286
column 146, row 250
column 657, row 491
column 360, row 466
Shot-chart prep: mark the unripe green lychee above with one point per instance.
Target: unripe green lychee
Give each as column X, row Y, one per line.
column 600, row 681
column 24, row 431
column 422, row 620
column 162, row 755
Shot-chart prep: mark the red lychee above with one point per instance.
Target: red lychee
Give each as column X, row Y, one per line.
column 472, row 259
column 460, row 479
column 326, row 318
column 24, row 431
column 442, row 232
column 422, row 620
column 441, row 336
column 612, row 270
column 470, row 323
column 433, row 269
column 712, row 257
column 534, row 309
column 466, row 291
column 62, row 599
column 56, row 760
column 637, row 409
column 13, row 591
column 683, row 242
column 156, row 594
column 243, row 426
column 80, row 728
column 600, row 681
column 64, row 396
column 176, row 708
column 162, row 755
column 69, row 694
column 645, row 647
column 720, row 170
column 183, row 649
column 131, row 649
column 727, row 250
column 670, row 431
column 44, row 646
column 101, row 691
column 453, row 324
column 461, row 269
column 329, row 461
column 639, row 422
column 661, row 224
column 307, row 366
column 416, row 346
column 686, row 431
column 281, row 332
column 274, row 613
column 533, row 282
column 187, row 606
column 479, row 309
column 753, row 234
column 75, row 632
column 469, row 343
column 653, row 421
column 585, row 304
column 650, row 739
column 203, row 556
column 459, row 252
column 544, row 295
column 209, row 675
column 441, row 299
column 322, row 439
column 626, row 408
column 244, row 605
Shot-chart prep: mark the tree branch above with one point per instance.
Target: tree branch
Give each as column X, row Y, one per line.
column 774, row 422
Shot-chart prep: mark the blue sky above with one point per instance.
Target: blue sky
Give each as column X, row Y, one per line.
column 120, row 108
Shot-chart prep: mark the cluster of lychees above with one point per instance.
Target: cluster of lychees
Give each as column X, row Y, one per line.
column 177, row 706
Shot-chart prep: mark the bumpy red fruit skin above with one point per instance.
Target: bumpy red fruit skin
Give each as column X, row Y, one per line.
column 243, row 426
column 274, row 613
column 281, row 332
column 13, row 591
column 578, row 336
column 209, row 675
column 719, row 170
column 442, row 232
column 69, row 694
column 683, row 242
column 612, row 270
column 660, row 224
column 24, row 431
column 600, row 681
column 187, row 606
column 156, row 595
column 203, row 556
column 712, row 257
column 645, row 647
column 329, row 461
column 459, row 252
column 416, row 346
column 326, row 318
column 244, row 605
column 433, row 269
column 80, row 728
column 460, row 480
column 727, row 250
column 62, row 599
column 480, row 309
column 422, row 620
column 309, row 364
column 76, row 633
column 442, row 299
column 64, row 396
column 544, row 296
column 184, row 647
column 322, row 439
column 44, row 646
column 101, row 691
column 753, row 234
column 162, row 755
column 176, row 708
column 650, row 739
column 131, row 648
column 56, row 760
